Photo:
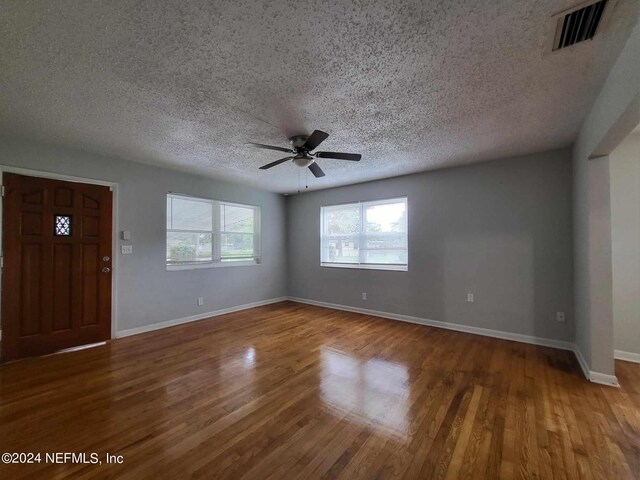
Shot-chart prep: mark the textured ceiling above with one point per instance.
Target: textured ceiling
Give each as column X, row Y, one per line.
column 411, row 85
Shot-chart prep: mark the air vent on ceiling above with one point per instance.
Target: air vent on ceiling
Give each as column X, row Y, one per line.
column 578, row 24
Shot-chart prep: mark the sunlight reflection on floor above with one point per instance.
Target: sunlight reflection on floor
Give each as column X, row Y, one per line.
column 375, row 392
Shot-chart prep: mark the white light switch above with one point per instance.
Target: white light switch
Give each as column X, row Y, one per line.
column 470, row 297
column 126, row 235
column 127, row 249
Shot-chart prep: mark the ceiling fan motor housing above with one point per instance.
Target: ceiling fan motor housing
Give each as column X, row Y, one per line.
column 298, row 141
column 302, row 159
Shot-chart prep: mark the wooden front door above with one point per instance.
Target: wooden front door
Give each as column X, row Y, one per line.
column 56, row 277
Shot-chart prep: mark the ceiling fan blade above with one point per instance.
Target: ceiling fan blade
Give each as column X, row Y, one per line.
column 270, row 147
column 354, row 157
column 316, row 138
column 316, row 170
column 273, row 164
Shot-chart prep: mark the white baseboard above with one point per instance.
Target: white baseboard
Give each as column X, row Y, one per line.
column 595, row 377
column 193, row 318
column 604, row 379
column 516, row 337
column 584, row 366
column 626, row 356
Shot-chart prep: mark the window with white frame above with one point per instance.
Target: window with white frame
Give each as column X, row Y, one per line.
column 202, row 232
column 365, row 235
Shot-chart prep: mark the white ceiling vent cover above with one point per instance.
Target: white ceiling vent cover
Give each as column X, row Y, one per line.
column 579, row 23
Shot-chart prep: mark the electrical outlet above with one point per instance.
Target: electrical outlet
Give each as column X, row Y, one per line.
column 200, row 301
column 364, row 295
column 470, row 297
column 560, row 316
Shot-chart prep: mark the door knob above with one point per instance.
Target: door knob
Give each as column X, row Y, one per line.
column 106, row 258
column 106, row 269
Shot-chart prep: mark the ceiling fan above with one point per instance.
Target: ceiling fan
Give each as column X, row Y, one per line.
column 301, row 147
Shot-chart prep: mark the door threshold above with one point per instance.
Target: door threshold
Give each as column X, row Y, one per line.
column 65, row 350
column 75, row 349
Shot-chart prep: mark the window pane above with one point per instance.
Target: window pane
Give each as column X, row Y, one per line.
column 237, row 245
column 236, row 219
column 186, row 214
column 389, row 217
column 189, row 247
column 385, row 256
column 376, row 241
column 365, row 233
column 340, row 250
column 341, row 220
column 62, row 226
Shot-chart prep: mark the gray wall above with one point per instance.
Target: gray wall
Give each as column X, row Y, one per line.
column 147, row 293
column 582, row 287
column 625, row 244
column 501, row 230
column 614, row 114
column 592, row 250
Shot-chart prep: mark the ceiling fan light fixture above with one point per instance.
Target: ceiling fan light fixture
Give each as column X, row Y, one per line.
column 302, row 160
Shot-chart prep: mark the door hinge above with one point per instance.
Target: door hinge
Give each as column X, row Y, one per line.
column 2, row 191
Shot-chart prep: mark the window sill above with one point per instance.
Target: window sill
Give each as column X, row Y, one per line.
column 393, row 268
column 198, row 266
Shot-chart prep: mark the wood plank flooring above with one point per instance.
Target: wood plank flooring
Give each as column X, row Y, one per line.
column 296, row 391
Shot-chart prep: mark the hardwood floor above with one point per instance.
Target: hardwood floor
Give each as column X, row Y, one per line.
column 296, row 391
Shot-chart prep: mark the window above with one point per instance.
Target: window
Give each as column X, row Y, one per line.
column 202, row 232
column 365, row 235
column 62, row 226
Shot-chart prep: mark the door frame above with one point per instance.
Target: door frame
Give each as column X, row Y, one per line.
column 114, row 227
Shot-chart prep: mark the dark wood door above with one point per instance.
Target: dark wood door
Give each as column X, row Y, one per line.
column 56, row 278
